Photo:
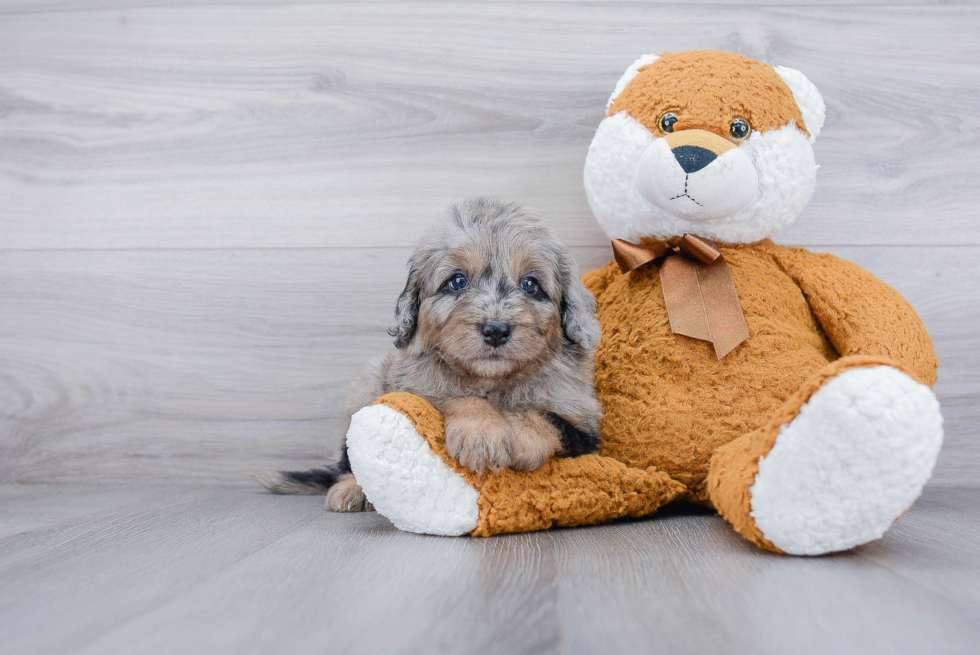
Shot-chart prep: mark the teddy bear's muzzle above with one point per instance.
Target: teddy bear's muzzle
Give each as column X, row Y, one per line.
column 696, row 175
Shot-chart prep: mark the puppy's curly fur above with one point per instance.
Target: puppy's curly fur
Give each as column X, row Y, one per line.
column 495, row 329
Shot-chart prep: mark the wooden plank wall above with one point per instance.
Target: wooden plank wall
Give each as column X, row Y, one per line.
column 205, row 208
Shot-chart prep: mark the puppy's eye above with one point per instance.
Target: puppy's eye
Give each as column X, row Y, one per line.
column 530, row 285
column 740, row 129
column 457, row 282
column 666, row 122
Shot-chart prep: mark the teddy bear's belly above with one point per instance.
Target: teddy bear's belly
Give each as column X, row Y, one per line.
column 668, row 401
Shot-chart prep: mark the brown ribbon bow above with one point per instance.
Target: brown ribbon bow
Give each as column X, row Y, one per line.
column 699, row 291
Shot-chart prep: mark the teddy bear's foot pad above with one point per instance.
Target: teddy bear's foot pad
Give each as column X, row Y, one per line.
column 408, row 483
column 854, row 459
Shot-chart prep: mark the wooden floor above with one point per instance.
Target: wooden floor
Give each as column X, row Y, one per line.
column 132, row 569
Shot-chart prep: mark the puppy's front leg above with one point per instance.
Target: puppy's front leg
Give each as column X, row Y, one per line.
column 477, row 436
column 535, row 439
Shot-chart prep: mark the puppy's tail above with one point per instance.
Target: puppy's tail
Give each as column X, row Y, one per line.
column 308, row 483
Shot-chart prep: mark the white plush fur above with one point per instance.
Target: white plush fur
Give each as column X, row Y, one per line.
column 628, row 76
column 852, row 462
column 407, row 483
column 720, row 189
column 782, row 158
column 807, row 98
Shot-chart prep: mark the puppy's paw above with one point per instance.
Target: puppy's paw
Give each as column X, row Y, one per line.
column 534, row 440
column 347, row 496
column 479, row 442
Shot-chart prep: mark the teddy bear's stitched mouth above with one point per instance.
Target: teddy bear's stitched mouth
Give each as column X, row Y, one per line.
column 685, row 194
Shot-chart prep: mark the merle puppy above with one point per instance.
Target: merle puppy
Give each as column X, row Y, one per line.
column 495, row 329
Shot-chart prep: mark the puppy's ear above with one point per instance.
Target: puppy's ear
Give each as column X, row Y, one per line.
column 578, row 310
column 407, row 309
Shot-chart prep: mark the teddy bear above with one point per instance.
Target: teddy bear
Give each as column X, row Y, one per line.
column 788, row 390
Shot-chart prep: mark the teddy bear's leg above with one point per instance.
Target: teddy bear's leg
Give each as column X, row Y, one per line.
column 398, row 453
column 837, row 464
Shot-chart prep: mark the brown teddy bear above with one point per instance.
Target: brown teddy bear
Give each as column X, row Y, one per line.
column 789, row 390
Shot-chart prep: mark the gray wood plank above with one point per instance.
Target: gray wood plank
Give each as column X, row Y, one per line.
column 353, row 584
column 300, row 125
column 699, row 588
column 37, row 509
column 46, row 518
column 44, row 6
column 151, row 359
column 233, row 571
column 198, row 366
column 943, row 537
column 85, row 582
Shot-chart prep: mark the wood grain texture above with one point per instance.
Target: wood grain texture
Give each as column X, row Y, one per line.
column 201, row 365
column 205, row 210
column 40, row 6
column 270, row 125
column 225, row 570
column 205, row 207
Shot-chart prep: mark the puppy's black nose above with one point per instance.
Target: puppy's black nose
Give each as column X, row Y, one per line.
column 693, row 158
column 495, row 333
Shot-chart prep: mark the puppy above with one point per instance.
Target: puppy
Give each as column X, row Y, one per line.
column 495, row 329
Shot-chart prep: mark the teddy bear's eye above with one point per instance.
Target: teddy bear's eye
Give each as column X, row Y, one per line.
column 666, row 122
column 740, row 129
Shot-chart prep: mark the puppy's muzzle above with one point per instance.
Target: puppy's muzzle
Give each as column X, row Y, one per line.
column 495, row 333
column 696, row 175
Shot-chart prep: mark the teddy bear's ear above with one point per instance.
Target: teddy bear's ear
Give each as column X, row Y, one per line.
column 628, row 76
column 808, row 99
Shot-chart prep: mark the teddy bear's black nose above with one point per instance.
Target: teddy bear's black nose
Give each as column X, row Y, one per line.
column 693, row 158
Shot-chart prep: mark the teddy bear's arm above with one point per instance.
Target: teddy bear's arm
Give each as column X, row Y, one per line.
column 599, row 279
column 860, row 314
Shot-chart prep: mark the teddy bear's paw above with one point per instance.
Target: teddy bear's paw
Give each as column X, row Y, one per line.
column 406, row 482
column 854, row 459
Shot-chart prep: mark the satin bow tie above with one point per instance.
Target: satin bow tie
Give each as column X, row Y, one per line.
column 699, row 291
